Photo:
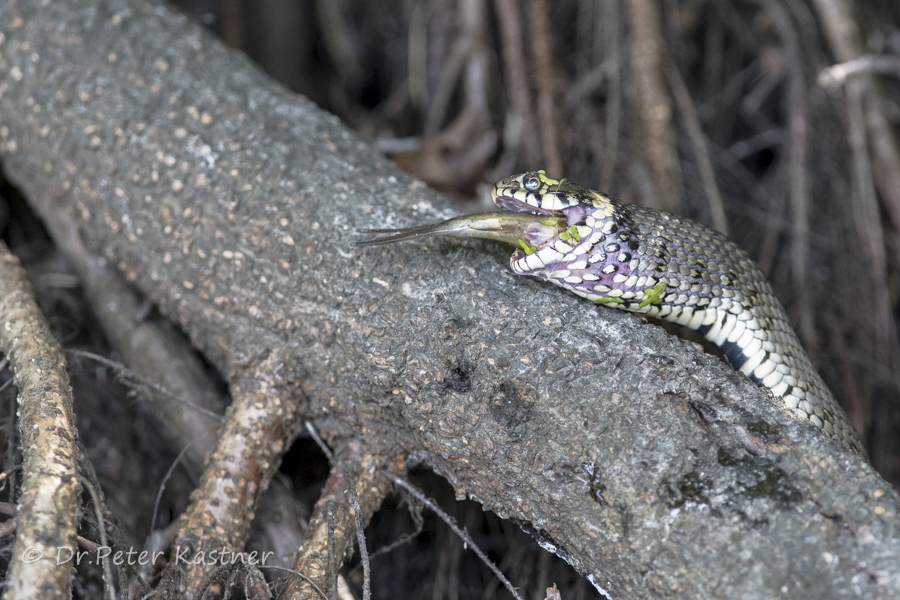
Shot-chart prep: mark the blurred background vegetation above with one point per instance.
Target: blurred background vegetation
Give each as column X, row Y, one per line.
column 773, row 120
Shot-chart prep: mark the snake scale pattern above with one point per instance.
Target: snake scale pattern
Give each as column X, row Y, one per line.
column 651, row 262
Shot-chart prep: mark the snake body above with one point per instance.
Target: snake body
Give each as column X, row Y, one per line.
column 651, row 262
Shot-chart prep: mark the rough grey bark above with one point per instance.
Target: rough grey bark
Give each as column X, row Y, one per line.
column 233, row 204
column 47, row 515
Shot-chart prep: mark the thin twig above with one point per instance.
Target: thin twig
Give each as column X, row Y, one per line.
column 104, row 542
column 333, row 567
column 126, row 376
column 539, row 20
column 162, row 485
column 360, row 533
column 417, row 57
column 403, row 539
column 698, row 143
column 521, row 113
column 798, row 174
column 614, row 110
column 652, row 99
column 845, row 40
column 451, row 71
column 299, row 575
column 854, row 404
column 6, row 383
column 320, row 442
column 463, row 535
column 837, row 75
column 338, row 43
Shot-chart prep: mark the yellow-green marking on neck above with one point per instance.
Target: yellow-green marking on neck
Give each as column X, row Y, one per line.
column 548, row 180
column 654, row 295
column 570, row 233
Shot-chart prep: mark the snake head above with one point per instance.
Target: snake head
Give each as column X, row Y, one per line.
column 536, row 193
column 530, row 192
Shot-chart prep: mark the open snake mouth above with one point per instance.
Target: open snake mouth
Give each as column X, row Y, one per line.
column 515, row 205
column 574, row 214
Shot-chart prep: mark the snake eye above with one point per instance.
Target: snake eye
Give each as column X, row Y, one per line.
column 532, row 184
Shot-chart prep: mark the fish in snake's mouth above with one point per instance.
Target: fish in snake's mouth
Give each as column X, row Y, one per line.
column 514, row 205
column 574, row 214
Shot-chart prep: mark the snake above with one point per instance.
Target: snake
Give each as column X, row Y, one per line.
column 661, row 265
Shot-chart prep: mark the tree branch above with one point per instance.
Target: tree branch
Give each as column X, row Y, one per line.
column 48, row 505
